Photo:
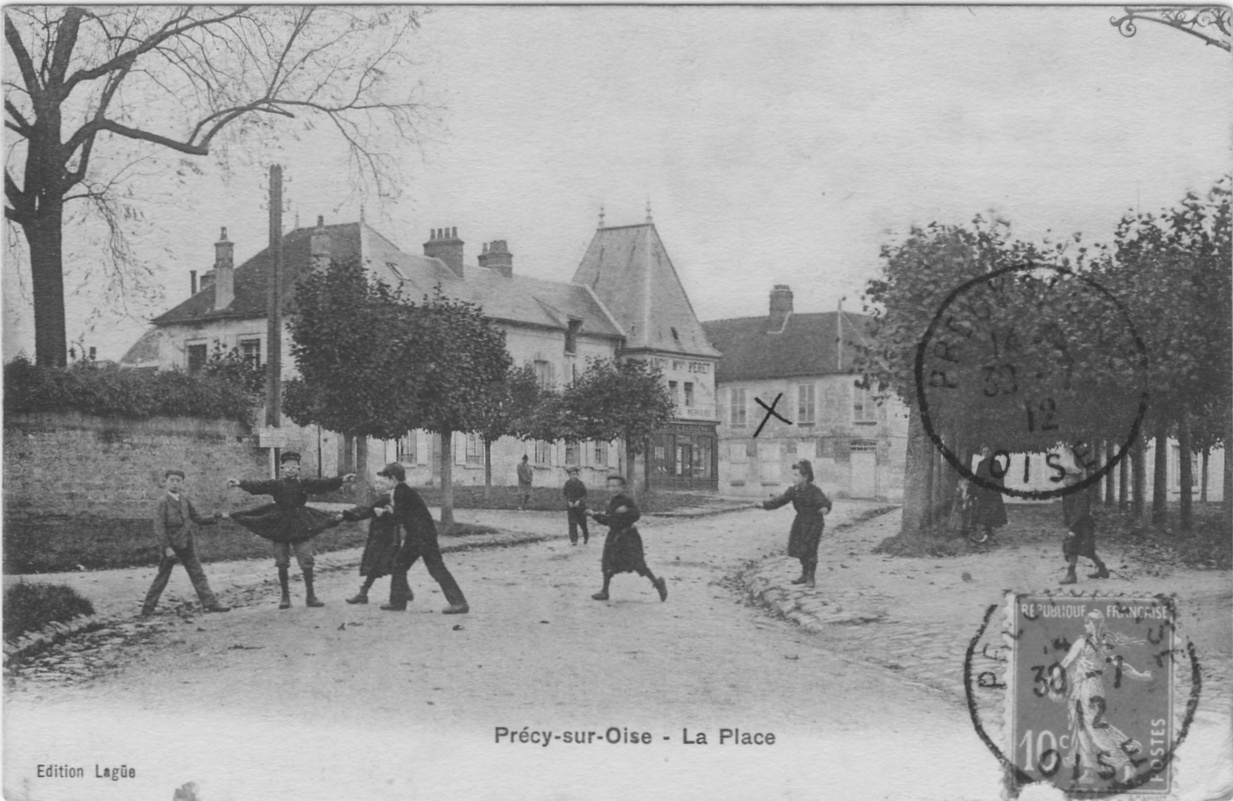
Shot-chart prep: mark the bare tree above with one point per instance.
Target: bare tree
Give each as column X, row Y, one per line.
column 80, row 82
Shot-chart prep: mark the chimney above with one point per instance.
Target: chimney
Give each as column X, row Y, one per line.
column 224, row 272
column 192, row 282
column 444, row 244
column 781, row 308
column 496, row 256
column 319, row 246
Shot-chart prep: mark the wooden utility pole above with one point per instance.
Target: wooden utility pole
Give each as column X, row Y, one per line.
column 274, row 317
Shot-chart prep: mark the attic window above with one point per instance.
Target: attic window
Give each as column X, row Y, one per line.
column 675, row 335
column 571, row 335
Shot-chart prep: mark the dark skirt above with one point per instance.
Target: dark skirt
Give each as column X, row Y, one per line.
column 989, row 509
column 805, row 536
column 623, row 552
column 280, row 525
column 1081, row 539
column 379, row 551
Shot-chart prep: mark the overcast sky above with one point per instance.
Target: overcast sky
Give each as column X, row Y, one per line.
column 776, row 145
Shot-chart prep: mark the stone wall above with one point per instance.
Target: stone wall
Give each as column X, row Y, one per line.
column 75, row 464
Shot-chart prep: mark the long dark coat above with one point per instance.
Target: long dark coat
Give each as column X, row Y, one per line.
column 623, row 551
column 807, row 526
column 1081, row 526
column 382, row 545
column 988, row 507
column 288, row 519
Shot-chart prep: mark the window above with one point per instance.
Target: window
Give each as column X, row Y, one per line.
column 676, row 400
column 196, row 358
column 543, row 452
column 805, row 407
column 601, row 454
column 250, row 349
column 544, row 374
column 571, row 335
column 864, row 410
column 689, row 393
column 738, row 406
column 571, row 452
column 475, row 449
column 404, row 449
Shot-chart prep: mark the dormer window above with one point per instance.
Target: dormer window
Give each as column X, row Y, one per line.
column 571, row 335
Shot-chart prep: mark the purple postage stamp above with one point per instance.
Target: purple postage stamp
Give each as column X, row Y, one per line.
column 1091, row 693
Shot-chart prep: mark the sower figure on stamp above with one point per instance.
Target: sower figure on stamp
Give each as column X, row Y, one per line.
column 623, row 551
column 811, row 505
column 288, row 521
column 576, row 506
column 419, row 534
column 989, row 511
column 383, row 540
column 174, row 519
column 1081, row 529
column 525, row 475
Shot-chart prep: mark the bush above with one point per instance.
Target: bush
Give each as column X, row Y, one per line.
column 112, row 391
column 30, row 607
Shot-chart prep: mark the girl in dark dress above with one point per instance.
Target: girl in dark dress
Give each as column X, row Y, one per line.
column 1080, row 529
column 989, row 512
column 382, row 544
column 623, row 546
column 811, row 505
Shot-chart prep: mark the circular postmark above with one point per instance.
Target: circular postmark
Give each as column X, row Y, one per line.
column 1028, row 358
column 1091, row 694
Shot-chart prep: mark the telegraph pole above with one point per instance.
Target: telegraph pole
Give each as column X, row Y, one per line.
column 274, row 317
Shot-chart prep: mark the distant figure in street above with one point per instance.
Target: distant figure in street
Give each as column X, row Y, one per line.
column 383, row 538
column 576, row 506
column 288, row 521
column 811, row 505
column 419, row 540
column 174, row 520
column 623, row 546
column 1080, row 528
column 525, row 475
column 988, row 510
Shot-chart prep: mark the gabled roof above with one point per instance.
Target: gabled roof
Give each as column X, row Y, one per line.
column 629, row 270
column 809, row 344
column 144, row 351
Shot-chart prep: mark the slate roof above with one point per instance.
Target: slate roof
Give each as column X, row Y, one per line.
column 629, row 270
column 517, row 300
column 808, row 345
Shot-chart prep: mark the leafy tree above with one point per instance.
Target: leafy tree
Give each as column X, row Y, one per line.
column 623, row 400
column 231, row 365
column 83, row 83
column 513, row 407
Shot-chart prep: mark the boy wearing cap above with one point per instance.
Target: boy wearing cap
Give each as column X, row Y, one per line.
column 288, row 521
column 525, row 476
column 174, row 518
column 419, row 541
column 576, row 506
column 623, row 552
column 1081, row 528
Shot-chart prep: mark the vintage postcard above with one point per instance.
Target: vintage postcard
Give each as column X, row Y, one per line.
column 596, row 402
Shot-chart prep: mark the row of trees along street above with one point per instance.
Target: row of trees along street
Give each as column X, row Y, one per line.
column 1164, row 276
column 439, row 365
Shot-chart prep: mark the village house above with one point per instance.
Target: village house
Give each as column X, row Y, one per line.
column 800, row 365
column 554, row 326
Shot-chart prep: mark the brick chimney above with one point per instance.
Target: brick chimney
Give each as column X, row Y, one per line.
column 781, row 308
column 224, row 272
column 319, row 247
column 496, row 256
column 444, row 244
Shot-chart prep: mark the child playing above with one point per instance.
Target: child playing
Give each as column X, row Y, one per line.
column 288, row 521
column 383, row 540
column 623, row 546
column 1081, row 529
column 174, row 519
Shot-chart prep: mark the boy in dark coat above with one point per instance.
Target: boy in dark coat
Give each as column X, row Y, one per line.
column 174, row 520
column 383, row 541
column 1081, row 529
column 623, row 551
column 811, row 505
column 419, row 534
column 288, row 521
column 525, row 476
column 576, row 506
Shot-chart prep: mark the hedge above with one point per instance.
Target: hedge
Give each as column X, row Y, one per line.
column 112, row 391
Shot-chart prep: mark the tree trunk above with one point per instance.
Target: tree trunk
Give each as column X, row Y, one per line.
column 447, row 478
column 1185, row 468
column 487, row 471
column 1207, row 452
column 361, row 469
column 1139, row 503
column 45, row 237
column 1227, row 495
column 1160, row 477
column 629, row 465
column 1123, row 489
column 917, row 489
column 1110, row 475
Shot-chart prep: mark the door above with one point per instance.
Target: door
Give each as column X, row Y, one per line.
column 864, row 467
column 685, row 460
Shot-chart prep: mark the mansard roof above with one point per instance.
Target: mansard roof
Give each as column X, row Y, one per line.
column 630, row 272
column 808, row 345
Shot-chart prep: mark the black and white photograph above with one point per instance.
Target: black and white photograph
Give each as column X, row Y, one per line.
column 600, row 401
